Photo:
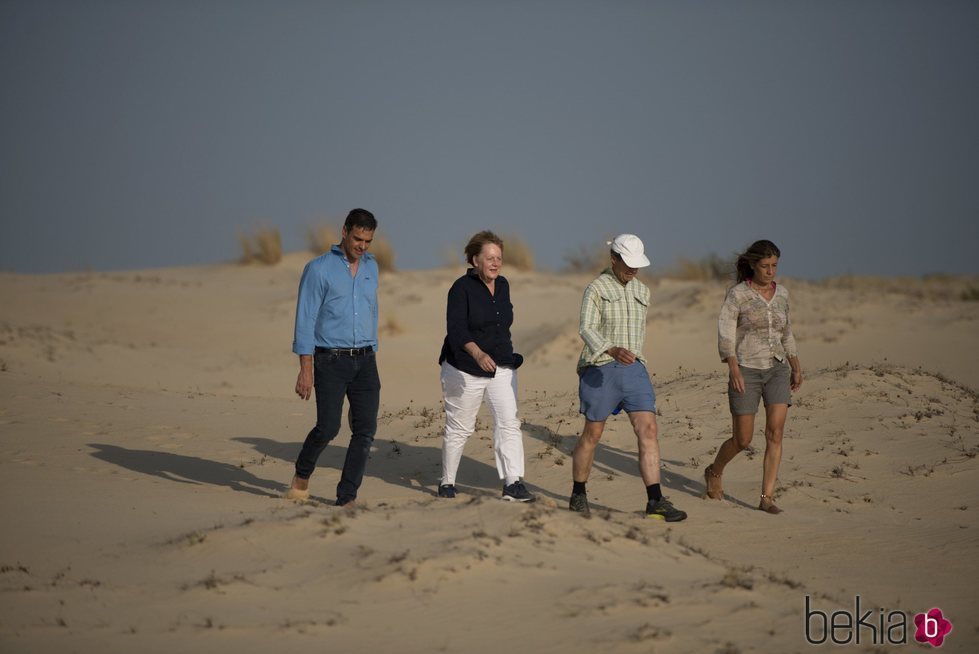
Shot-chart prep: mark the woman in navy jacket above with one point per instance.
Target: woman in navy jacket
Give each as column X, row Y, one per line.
column 478, row 361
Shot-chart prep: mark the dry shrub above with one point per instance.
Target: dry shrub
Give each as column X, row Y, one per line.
column 384, row 254
column 586, row 259
column 931, row 287
column 517, row 253
column 264, row 246
column 709, row 268
column 321, row 239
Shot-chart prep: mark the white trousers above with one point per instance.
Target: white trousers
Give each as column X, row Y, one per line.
column 463, row 393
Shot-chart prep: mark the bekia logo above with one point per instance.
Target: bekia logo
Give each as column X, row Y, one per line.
column 932, row 627
column 880, row 627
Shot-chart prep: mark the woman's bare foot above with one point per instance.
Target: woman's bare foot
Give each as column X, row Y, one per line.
column 712, row 481
column 767, row 505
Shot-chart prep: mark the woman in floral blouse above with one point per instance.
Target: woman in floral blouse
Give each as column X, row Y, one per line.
column 754, row 338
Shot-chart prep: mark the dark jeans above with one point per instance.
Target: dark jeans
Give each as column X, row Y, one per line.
column 336, row 376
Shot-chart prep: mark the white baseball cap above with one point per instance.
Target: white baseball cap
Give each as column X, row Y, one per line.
column 630, row 248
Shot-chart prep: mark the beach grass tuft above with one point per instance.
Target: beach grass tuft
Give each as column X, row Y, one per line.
column 384, row 253
column 320, row 239
column 263, row 246
column 586, row 259
column 710, row 268
column 517, row 253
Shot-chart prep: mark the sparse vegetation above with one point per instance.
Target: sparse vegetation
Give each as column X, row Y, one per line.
column 191, row 538
column 517, row 253
column 384, row 254
column 321, row 239
column 931, row 287
column 650, row 632
column 711, row 267
column 586, row 259
column 264, row 246
column 735, row 578
column 971, row 294
column 391, row 326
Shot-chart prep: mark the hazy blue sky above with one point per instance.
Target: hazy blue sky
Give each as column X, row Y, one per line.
column 137, row 134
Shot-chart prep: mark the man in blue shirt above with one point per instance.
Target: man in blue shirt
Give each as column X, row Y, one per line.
column 336, row 340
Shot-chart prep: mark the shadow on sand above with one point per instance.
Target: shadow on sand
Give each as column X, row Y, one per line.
column 410, row 466
column 187, row 469
column 613, row 460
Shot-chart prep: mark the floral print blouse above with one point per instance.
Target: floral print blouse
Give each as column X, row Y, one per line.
column 757, row 332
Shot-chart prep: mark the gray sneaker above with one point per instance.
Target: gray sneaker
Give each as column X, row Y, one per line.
column 517, row 492
column 663, row 510
column 579, row 504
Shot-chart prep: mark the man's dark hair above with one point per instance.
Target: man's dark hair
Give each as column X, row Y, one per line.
column 360, row 218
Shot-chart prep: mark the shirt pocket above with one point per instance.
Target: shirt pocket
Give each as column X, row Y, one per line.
column 613, row 306
column 367, row 289
column 612, row 297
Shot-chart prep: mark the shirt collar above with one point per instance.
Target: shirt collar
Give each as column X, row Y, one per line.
column 338, row 251
column 608, row 271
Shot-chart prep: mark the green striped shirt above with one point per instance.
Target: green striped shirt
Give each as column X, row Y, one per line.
column 612, row 315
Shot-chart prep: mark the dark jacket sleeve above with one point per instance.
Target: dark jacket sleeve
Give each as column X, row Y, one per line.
column 457, row 317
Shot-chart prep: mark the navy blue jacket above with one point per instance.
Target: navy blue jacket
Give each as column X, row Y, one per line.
column 472, row 314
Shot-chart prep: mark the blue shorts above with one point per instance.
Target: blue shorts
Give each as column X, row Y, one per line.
column 605, row 390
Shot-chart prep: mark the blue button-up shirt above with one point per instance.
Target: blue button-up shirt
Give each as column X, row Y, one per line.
column 336, row 309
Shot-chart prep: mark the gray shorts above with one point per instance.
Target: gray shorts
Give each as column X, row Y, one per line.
column 773, row 384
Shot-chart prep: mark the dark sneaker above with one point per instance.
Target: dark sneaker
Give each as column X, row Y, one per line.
column 447, row 490
column 663, row 510
column 517, row 492
column 344, row 501
column 579, row 504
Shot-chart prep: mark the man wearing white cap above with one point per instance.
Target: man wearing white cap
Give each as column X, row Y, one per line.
column 612, row 373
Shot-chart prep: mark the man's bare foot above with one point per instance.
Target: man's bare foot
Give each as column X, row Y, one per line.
column 299, row 490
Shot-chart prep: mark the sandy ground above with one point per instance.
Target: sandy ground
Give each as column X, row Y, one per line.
column 148, row 429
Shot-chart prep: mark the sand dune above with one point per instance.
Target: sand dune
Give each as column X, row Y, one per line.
column 148, row 429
